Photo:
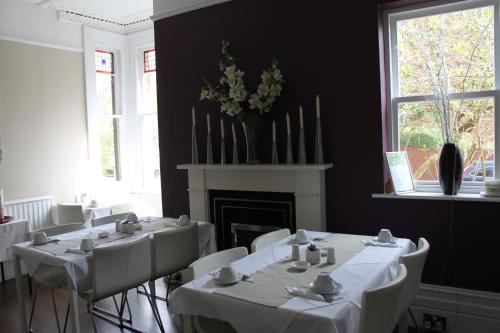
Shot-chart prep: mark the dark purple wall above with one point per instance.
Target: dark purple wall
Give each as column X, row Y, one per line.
column 324, row 47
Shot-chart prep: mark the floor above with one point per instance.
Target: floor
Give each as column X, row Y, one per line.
column 44, row 320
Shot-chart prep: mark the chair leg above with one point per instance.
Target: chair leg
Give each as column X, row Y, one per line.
column 30, row 286
column 154, row 307
column 414, row 320
column 403, row 323
column 3, row 273
column 168, row 288
column 66, row 318
column 33, row 306
column 55, row 310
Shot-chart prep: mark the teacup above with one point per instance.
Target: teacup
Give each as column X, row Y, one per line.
column 183, row 220
column 301, row 235
column 40, row 238
column 127, row 228
column 227, row 274
column 384, row 236
column 86, row 244
column 324, row 282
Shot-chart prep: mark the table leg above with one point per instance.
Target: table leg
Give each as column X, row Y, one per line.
column 20, row 294
column 3, row 272
column 74, row 316
column 187, row 324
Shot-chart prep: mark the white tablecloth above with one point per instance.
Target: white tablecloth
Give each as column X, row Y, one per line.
column 90, row 213
column 78, row 265
column 11, row 233
column 372, row 267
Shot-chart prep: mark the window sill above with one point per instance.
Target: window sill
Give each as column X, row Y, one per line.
column 436, row 196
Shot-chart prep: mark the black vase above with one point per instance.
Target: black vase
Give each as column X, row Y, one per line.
column 451, row 169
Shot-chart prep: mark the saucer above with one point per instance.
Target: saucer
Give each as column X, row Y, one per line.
column 296, row 241
column 301, row 265
column 335, row 290
column 392, row 241
column 215, row 277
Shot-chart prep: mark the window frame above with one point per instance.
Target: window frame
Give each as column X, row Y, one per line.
column 391, row 17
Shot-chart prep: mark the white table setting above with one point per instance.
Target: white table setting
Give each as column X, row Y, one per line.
column 12, row 232
column 73, row 252
column 322, row 293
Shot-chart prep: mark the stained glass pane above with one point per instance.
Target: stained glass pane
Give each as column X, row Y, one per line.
column 149, row 61
column 104, row 62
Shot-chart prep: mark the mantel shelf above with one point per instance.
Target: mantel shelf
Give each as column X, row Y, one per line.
column 436, row 196
column 267, row 167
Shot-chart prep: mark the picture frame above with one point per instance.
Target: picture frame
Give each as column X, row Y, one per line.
column 401, row 174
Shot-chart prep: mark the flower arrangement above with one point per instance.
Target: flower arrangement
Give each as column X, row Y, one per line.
column 231, row 92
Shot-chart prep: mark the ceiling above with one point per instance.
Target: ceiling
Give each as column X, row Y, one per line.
column 116, row 15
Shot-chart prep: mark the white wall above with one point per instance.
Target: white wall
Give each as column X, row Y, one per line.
column 42, row 122
column 22, row 20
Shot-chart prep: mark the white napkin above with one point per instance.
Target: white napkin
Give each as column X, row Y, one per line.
column 304, row 293
column 75, row 251
column 183, row 220
column 373, row 243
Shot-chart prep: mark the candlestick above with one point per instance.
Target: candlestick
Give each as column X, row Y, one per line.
column 274, row 131
column 194, row 118
column 301, row 118
column 222, row 128
column 317, row 106
column 208, row 123
column 288, row 132
column 234, row 133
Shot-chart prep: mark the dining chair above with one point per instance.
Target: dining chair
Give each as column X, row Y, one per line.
column 51, row 276
column 69, row 213
column 107, row 219
column 268, row 239
column 204, row 266
column 380, row 306
column 115, row 270
column 172, row 251
column 122, row 208
column 414, row 263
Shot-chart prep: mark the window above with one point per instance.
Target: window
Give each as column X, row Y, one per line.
column 148, row 119
column 109, row 117
column 443, row 58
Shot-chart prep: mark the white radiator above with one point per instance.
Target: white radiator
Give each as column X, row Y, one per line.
column 36, row 210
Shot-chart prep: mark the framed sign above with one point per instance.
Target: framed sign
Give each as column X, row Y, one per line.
column 401, row 175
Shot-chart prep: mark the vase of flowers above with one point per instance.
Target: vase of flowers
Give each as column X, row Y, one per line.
column 235, row 101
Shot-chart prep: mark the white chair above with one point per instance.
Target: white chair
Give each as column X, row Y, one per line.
column 268, row 239
column 115, row 270
column 209, row 264
column 107, row 219
column 380, row 306
column 414, row 263
column 51, row 276
column 122, row 208
column 69, row 213
column 183, row 242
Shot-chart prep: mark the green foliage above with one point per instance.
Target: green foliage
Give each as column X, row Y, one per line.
column 421, row 140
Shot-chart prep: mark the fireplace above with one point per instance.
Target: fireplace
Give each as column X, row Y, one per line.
column 241, row 216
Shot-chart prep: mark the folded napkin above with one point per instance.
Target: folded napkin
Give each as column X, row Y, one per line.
column 183, row 220
column 75, row 251
column 304, row 293
column 373, row 243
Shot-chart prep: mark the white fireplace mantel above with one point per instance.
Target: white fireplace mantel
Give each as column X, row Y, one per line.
column 305, row 181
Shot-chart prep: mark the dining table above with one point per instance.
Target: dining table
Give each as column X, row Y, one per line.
column 12, row 232
column 261, row 303
column 77, row 265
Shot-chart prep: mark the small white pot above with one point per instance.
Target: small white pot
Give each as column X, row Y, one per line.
column 313, row 257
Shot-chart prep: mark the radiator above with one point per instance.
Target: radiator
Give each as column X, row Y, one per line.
column 36, row 210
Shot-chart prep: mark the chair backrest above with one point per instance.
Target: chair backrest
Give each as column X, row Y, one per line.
column 58, row 229
column 122, row 208
column 69, row 213
column 380, row 306
column 216, row 260
column 121, row 267
column 174, row 250
column 108, row 219
column 268, row 239
column 414, row 263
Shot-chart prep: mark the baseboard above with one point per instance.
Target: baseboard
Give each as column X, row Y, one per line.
column 465, row 310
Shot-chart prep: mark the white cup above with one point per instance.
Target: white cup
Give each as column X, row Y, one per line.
column 40, row 238
column 301, row 235
column 296, row 252
column 227, row 274
column 330, row 255
column 384, row 236
column 86, row 244
column 324, row 282
column 183, row 220
column 127, row 228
